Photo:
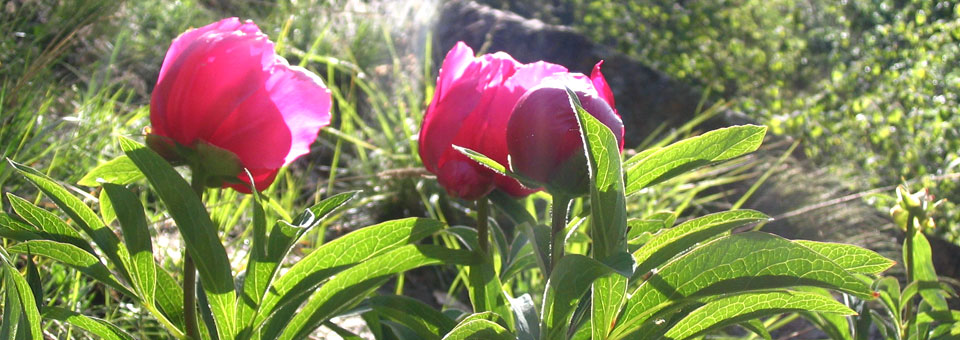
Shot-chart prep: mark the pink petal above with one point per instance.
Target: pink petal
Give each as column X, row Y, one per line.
column 443, row 121
column 181, row 43
column 207, row 82
column 458, row 59
column 461, row 179
column 303, row 101
column 600, row 83
column 256, row 132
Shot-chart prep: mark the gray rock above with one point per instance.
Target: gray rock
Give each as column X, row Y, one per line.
column 645, row 97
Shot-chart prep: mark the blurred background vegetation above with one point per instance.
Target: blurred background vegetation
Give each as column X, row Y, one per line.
column 870, row 87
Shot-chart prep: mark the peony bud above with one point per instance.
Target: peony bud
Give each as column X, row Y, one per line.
column 543, row 135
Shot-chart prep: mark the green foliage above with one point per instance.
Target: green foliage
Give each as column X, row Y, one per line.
column 686, row 279
column 869, row 85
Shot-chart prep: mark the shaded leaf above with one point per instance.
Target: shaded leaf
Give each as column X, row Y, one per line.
column 478, row 329
column 294, row 286
column 136, row 237
column 427, row 322
column 196, row 228
column 100, row 328
column 569, row 281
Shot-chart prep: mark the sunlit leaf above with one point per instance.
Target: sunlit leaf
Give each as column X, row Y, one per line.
column 732, row 264
column 692, row 153
column 120, row 170
column 737, row 308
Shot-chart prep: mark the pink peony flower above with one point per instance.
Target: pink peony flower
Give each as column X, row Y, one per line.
column 223, row 84
column 471, row 106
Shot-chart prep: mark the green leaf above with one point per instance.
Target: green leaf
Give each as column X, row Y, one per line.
column 650, row 224
column 673, row 241
column 609, row 295
column 756, row 326
column 100, row 328
column 196, row 228
column 169, row 296
column 539, row 236
column 343, row 333
column 349, row 286
column 426, row 321
column 260, row 270
column 478, row 329
column 136, row 237
column 608, row 210
column 924, row 273
column 82, row 215
column 608, row 215
column 16, row 230
column 889, row 289
column 320, row 211
column 49, row 224
column 356, row 247
column 569, row 281
column 482, row 159
column 852, row 258
column 106, row 208
column 21, row 314
column 692, row 153
column 738, row 308
column 485, row 289
column 732, row 264
column 527, row 318
column 120, row 170
column 72, row 256
column 496, row 166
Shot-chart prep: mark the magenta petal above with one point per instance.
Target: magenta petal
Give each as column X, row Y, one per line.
column 600, row 83
column 256, row 132
column 458, row 59
column 304, row 103
column 209, row 80
column 443, row 121
column 182, row 42
column 461, row 179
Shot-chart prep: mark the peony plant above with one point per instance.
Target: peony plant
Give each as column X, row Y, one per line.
column 233, row 112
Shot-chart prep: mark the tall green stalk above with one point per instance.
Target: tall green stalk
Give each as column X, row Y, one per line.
column 559, row 222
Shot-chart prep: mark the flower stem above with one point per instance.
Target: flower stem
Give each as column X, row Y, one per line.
column 559, row 221
column 909, row 259
column 483, row 211
column 191, row 328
